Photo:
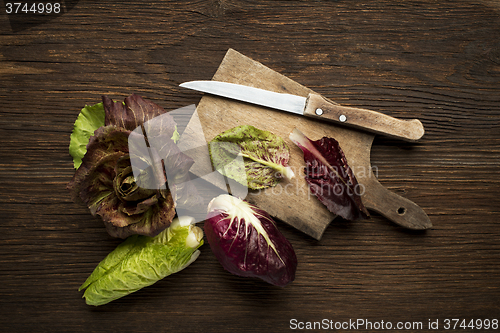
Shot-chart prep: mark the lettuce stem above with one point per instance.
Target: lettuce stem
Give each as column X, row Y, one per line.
column 285, row 171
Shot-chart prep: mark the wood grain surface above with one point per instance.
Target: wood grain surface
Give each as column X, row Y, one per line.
column 438, row 61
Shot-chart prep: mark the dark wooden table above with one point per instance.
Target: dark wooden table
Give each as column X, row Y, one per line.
column 438, row 61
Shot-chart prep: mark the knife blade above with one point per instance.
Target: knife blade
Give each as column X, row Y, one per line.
column 315, row 106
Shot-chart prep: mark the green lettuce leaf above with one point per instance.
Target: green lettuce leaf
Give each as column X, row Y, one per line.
column 89, row 119
column 140, row 261
column 265, row 156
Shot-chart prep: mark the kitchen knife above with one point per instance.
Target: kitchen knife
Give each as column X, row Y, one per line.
column 315, row 106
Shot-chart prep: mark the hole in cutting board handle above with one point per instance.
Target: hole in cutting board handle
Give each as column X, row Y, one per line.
column 401, row 211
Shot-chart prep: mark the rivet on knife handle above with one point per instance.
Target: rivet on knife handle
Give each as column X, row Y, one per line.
column 319, row 107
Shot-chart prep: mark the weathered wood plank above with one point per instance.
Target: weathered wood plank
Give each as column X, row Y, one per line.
column 435, row 61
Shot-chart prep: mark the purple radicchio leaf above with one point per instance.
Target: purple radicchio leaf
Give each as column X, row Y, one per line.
column 106, row 184
column 247, row 242
column 329, row 176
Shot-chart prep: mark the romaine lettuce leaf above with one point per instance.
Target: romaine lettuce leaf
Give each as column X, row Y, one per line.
column 140, row 261
column 265, row 156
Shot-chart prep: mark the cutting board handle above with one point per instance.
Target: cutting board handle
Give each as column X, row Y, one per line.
column 394, row 207
column 319, row 107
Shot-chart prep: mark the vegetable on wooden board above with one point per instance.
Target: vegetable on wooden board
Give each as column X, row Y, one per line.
column 265, row 156
column 329, row 176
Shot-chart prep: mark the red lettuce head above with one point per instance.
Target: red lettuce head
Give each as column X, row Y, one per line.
column 105, row 181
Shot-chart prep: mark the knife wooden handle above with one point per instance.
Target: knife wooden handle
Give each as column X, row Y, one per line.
column 394, row 207
column 319, row 107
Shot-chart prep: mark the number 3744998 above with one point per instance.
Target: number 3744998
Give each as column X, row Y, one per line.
column 32, row 8
column 486, row 324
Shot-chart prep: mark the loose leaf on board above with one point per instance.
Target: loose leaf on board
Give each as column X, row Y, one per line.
column 265, row 156
column 329, row 176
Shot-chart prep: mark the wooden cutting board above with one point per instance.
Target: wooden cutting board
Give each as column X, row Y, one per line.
column 291, row 201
